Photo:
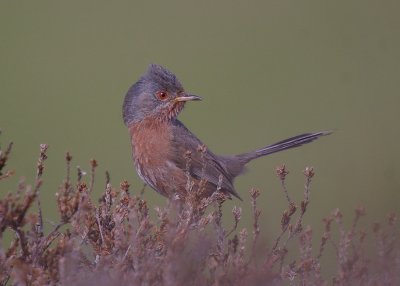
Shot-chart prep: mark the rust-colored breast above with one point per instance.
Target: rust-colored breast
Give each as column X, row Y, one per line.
column 150, row 142
column 152, row 150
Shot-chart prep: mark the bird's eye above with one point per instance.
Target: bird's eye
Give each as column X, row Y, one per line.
column 162, row 95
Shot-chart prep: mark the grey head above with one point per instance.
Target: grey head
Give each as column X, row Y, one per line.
column 157, row 95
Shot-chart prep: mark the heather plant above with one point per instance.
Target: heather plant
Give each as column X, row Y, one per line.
column 115, row 241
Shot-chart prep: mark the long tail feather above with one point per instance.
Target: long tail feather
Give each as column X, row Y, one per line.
column 292, row 142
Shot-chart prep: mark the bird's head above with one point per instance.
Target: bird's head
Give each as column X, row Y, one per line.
column 158, row 94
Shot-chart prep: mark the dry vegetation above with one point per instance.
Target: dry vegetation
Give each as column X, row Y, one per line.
column 115, row 242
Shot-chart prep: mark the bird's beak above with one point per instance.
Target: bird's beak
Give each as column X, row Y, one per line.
column 186, row 97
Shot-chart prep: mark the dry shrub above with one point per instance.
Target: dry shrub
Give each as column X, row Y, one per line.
column 115, row 242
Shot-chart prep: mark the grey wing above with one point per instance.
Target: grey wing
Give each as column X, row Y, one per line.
column 204, row 165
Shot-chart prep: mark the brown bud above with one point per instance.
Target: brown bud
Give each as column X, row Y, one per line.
column 281, row 172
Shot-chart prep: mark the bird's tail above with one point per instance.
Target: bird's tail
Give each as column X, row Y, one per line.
column 292, row 142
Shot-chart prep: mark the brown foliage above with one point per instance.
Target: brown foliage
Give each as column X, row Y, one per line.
column 115, row 242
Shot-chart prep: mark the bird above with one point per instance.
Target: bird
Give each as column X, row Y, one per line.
column 167, row 155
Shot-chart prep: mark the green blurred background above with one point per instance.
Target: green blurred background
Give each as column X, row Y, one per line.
column 266, row 70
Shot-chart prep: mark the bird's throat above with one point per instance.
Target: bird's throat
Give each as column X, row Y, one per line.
column 174, row 110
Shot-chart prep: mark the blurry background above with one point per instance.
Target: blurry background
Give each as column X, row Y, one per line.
column 266, row 70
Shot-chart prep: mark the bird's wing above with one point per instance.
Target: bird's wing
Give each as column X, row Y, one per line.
column 203, row 163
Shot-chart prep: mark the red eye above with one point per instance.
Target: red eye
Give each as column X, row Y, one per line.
column 161, row 95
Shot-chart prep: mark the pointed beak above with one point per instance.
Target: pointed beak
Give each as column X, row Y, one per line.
column 186, row 97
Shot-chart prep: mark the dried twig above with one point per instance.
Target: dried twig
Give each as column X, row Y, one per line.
column 93, row 164
column 39, row 173
column 4, row 156
column 254, row 194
